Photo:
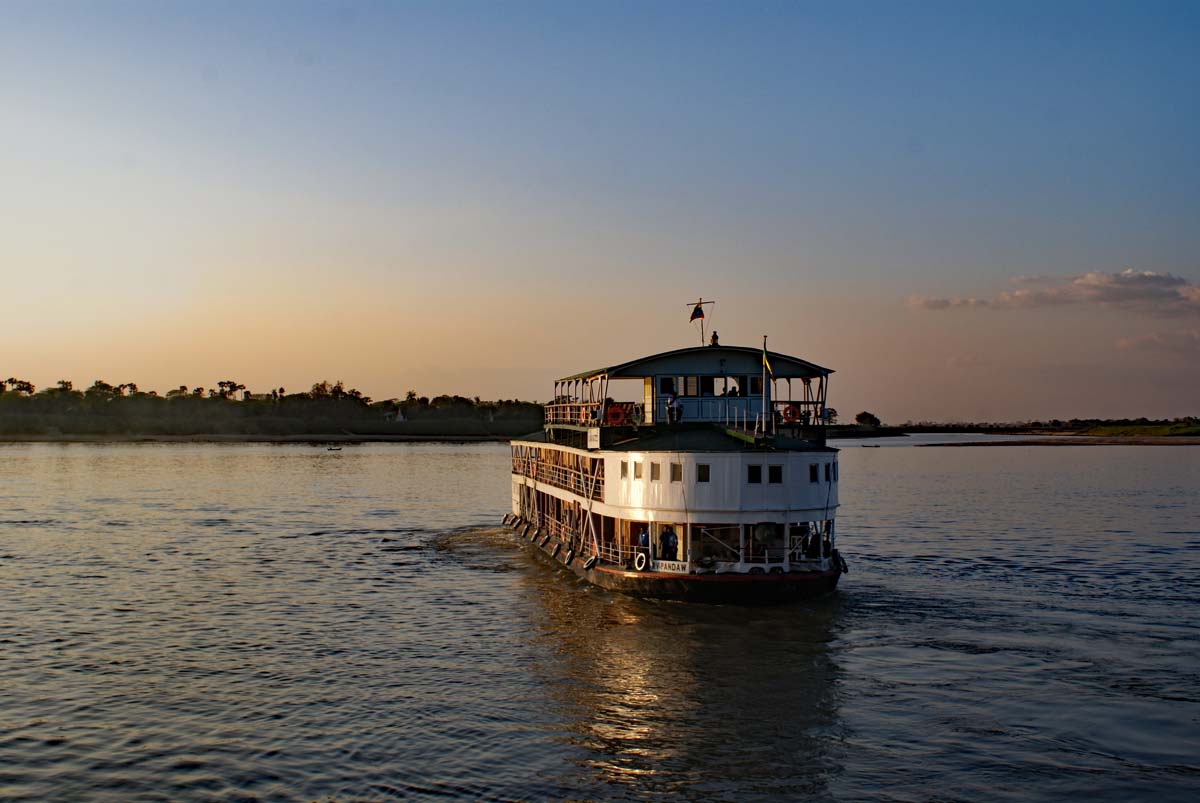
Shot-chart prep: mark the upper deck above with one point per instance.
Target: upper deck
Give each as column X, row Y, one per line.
column 754, row 392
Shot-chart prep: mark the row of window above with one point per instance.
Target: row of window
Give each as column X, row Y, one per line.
column 702, row 471
column 710, row 385
column 754, row 472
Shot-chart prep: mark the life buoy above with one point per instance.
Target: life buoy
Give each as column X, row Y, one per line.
column 640, row 562
column 589, row 563
column 791, row 413
column 554, row 552
column 570, row 557
column 614, row 416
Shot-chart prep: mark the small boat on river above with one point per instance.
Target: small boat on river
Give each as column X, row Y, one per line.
column 716, row 485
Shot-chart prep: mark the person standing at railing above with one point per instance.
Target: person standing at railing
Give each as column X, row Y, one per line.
column 643, row 541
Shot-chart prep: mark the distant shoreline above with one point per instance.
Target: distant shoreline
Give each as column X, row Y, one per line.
column 1082, row 440
column 245, row 438
column 345, row 437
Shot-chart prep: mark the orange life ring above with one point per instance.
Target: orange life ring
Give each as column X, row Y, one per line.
column 791, row 413
column 614, row 416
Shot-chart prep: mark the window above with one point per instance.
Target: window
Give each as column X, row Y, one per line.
column 701, row 472
column 754, row 475
column 691, row 386
column 775, row 475
column 676, row 472
column 708, row 386
column 637, row 469
column 624, row 470
column 812, row 473
column 835, row 472
column 828, row 473
column 655, row 472
column 756, row 386
column 666, row 384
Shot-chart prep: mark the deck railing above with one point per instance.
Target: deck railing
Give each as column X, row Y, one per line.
column 560, row 530
column 569, row 479
column 580, row 414
column 594, row 414
column 613, row 553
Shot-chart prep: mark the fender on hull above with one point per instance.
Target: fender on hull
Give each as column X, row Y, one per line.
column 728, row 589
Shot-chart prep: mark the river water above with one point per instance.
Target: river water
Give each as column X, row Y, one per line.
column 186, row 622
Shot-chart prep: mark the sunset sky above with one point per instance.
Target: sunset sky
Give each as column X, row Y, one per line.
column 970, row 211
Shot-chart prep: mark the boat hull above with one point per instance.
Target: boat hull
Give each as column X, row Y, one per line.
column 719, row 589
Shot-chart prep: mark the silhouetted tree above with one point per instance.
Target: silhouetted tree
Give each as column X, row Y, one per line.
column 865, row 419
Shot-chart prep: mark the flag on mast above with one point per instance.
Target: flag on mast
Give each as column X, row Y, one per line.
column 766, row 360
column 697, row 311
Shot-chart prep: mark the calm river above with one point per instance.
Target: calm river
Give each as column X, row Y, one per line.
column 286, row 623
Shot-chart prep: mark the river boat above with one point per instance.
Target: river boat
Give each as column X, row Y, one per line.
column 715, row 486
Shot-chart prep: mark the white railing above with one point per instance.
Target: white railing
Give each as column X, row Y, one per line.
column 569, row 479
column 595, row 414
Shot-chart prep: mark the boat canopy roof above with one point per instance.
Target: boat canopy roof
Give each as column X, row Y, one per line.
column 707, row 361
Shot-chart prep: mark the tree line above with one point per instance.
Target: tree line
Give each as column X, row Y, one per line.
column 230, row 408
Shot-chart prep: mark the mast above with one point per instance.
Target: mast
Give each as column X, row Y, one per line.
column 764, row 387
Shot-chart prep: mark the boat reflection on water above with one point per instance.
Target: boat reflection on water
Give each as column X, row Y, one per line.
column 676, row 701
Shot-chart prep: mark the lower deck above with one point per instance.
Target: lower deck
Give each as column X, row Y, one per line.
column 772, row 546
column 711, row 587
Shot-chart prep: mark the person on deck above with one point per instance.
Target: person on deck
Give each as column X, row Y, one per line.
column 643, row 541
column 668, row 545
column 677, row 409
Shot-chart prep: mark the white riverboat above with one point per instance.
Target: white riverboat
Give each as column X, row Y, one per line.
column 716, row 486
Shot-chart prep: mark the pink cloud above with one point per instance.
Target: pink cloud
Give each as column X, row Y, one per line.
column 1147, row 292
column 920, row 302
column 1185, row 341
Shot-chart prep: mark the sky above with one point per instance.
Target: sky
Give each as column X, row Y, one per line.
column 971, row 211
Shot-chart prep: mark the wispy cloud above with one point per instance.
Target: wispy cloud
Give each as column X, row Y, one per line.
column 920, row 302
column 1144, row 291
column 1185, row 341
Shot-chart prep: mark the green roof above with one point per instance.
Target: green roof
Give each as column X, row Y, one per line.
column 708, row 361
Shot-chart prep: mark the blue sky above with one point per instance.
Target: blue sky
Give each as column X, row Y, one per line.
column 344, row 183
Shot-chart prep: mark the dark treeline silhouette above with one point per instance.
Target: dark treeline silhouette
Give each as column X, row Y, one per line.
column 1186, row 425
column 229, row 408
